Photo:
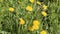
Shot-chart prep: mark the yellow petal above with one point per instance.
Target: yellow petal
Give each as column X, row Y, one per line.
column 29, row 8
column 44, row 13
column 43, row 32
column 11, row 9
column 32, row 1
column 39, row 3
column 22, row 22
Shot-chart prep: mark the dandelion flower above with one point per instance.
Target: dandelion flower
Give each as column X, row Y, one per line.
column 31, row 28
column 32, row 1
column 11, row 9
column 35, row 27
column 43, row 32
column 44, row 13
column 39, row 3
column 29, row 8
column 44, row 7
column 35, row 22
column 22, row 22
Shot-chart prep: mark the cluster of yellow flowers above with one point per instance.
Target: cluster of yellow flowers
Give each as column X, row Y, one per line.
column 35, row 25
column 29, row 8
column 44, row 11
column 32, row 1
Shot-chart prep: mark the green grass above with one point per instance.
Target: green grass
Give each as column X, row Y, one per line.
column 9, row 22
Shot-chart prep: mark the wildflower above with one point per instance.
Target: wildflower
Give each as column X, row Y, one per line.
column 32, row 1
column 35, row 27
column 44, row 13
column 22, row 22
column 11, row 9
column 35, row 22
column 39, row 3
column 43, row 32
column 44, row 7
column 31, row 28
column 29, row 8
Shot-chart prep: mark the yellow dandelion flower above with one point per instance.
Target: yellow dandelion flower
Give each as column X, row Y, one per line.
column 22, row 22
column 11, row 9
column 43, row 32
column 35, row 22
column 29, row 8
column 32, row 1
column 39, row 3
column 35, row 27
column 44, row 7
column 31, row 28
column 44, row 13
